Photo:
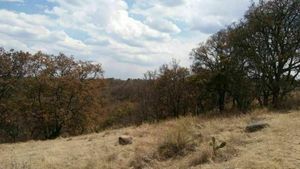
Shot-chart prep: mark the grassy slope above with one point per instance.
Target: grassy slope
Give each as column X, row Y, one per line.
column 275, row 147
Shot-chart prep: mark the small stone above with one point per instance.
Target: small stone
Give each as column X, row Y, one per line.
column 124, row 140
column 253, row 127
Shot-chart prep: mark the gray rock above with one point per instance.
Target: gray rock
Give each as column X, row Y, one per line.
column 256, row 126
column 124, row 140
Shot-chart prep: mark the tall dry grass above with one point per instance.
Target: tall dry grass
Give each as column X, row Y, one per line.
column 276, row 147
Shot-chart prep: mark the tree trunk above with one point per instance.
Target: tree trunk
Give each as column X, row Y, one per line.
column 260, row 101
column 265, row 99
column 221, row 101
column 275, row 101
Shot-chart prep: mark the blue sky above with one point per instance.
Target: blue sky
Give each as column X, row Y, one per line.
column 128, row 37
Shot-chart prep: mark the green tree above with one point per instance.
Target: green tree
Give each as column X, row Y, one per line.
column 271, row 44
column 171, row 87
column 213, row 58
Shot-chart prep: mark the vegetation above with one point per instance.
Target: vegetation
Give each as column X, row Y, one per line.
column 42, row 96
column 276, row 147
column 255, row 58
column 255, row 61
column 177, row 141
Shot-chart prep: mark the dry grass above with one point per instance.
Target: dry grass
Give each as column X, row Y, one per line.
column 178, row 140
column 292, row 101
column 201, row 157
column 141, row 160
column 276, row 147
column 19, row 165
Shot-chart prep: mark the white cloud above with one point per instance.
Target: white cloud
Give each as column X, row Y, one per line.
column 196, row 14
column 103, row 15
column 162, row 25
column 20, row 1
column 33, row 31
column 172, row 3
column 127, row 40
column 129, row 28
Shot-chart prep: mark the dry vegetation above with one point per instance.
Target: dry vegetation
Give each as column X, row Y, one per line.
column 182, row 143
column 252, row 63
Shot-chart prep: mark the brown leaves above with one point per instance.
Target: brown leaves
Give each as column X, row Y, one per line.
column 45, row 94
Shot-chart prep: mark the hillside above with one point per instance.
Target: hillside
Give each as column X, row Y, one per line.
column 275, row 147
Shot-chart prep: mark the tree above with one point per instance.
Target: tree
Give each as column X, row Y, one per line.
column 12, row 71
column 271, row 41
column 213, row 58
column 165, row 92
column 62, row 94
column 260, row 54
column 222, row 70
column 42, row 96
column 172, row 91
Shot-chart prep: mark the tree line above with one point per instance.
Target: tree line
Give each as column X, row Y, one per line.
column 253, row 62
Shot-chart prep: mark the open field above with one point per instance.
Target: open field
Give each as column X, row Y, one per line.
column 275, row 147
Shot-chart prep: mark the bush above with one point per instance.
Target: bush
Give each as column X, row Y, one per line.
column 177, row 141
column 123, row 114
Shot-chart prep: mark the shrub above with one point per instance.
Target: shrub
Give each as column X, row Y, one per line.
column 177, row 141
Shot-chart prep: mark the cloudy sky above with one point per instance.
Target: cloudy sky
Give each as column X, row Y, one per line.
column 128, row 37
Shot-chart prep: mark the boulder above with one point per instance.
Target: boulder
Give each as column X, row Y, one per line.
column 256, row 126
column 124, row 140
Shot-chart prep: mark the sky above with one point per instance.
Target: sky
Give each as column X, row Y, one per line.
column 128, row 37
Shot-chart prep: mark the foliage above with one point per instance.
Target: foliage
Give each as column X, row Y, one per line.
column 269, row 41
column 256, row 58
column 42, row 96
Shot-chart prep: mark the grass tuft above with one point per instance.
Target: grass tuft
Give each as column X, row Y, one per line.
column 202, row 157
column 177, row 141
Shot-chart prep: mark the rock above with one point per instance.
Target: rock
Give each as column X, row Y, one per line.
column 124, row 140
column 256, row 126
